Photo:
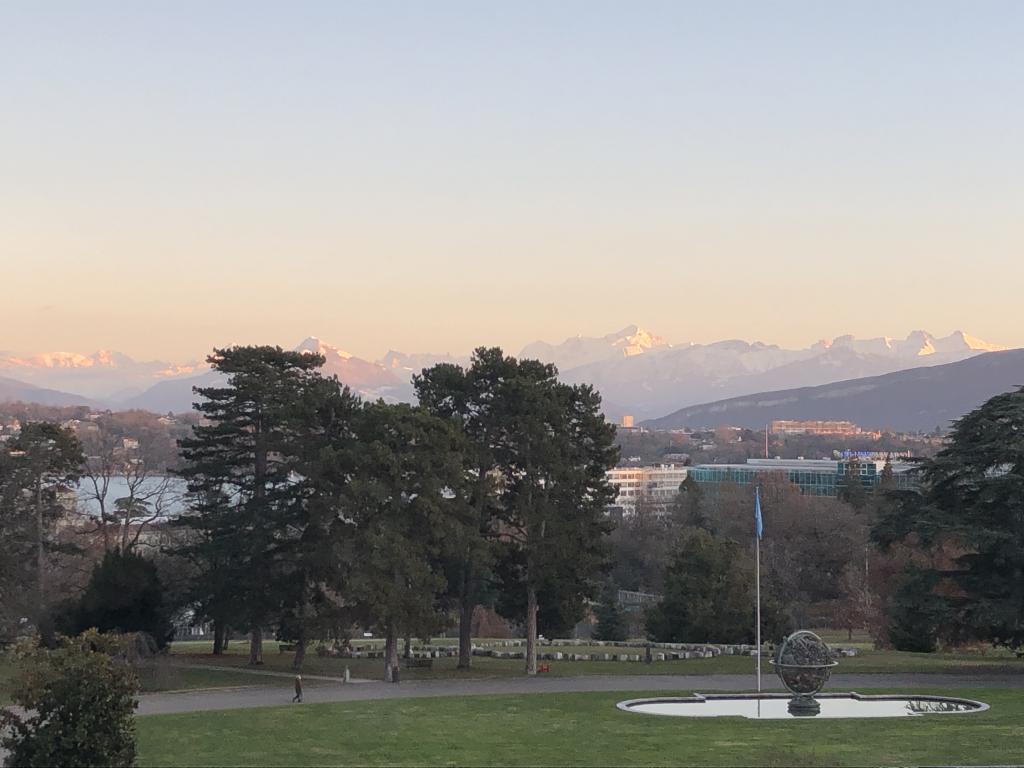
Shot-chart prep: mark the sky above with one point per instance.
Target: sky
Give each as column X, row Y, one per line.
column 432, row 176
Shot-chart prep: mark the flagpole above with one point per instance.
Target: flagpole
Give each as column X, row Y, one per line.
column 757, row 579
column 757, row 570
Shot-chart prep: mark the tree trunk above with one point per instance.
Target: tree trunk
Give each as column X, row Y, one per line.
column 531, row 631
column 44, row 625
column 218, row 637
column 466, row 605
column 103, row 524
column 390, row 655
column 256, row 646
column 407, row 650
column 465, row 629
column 300, row 654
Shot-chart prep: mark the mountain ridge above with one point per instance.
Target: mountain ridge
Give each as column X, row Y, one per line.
column 637, row 371
column 915, row 399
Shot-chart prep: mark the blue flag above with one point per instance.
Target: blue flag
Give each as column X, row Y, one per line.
column 758, row 525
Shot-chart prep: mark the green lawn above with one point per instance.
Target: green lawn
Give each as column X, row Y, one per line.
column 868, row 661
column 161, row 676
column 164, row 675
column 570, row 729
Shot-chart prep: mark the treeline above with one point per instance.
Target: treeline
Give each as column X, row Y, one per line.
column 310, row 511
column 939, row 566
column 698, row 553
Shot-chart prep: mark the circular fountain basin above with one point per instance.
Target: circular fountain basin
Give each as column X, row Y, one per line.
column 772, row 706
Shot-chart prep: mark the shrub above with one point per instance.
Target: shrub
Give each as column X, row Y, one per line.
column 78, row 699
column 916, row 612
column 707, row 596
column 611, row 623
column 124, row 594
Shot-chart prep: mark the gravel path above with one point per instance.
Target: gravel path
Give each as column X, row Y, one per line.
column 272, row 696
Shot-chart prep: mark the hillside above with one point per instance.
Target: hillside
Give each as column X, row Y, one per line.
column 18, row 391
column 910, row 400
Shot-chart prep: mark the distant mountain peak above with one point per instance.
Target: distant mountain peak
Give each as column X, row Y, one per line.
column 972, row 342
column 634, row 340
column 314, row 345
column 580, row 350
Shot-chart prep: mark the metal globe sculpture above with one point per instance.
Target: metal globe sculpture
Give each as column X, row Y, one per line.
column 804, row 663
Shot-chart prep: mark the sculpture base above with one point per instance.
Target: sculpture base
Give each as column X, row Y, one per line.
column 804, row 706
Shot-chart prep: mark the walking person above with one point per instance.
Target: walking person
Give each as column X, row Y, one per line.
column 298, row 690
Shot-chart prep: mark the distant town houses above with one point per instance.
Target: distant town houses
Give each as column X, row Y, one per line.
column 832, row 428
column 9, row 429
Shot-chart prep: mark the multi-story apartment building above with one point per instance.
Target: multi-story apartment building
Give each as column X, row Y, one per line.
column 657, row 485
column 838, row 428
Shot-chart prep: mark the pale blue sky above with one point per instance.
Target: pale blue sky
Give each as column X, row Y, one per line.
column 434, row 176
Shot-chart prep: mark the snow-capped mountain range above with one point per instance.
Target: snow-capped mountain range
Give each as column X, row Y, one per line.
column 637, row 372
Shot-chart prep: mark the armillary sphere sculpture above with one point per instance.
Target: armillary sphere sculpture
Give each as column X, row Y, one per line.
column 804, row 663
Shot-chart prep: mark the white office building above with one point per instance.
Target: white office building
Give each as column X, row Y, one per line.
column 658, row 484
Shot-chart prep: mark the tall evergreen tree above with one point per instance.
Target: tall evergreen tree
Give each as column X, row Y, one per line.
column 237, row 466
column 851, row 485
column 688, row 506
column 555, row 493
column 969, row 516
column 473, row 398
column 317, row 550
column 611, row 622
column 708, row 593
column 42, row 462
column 406, row 501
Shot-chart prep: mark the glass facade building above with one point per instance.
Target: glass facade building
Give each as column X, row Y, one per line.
column 815, row 477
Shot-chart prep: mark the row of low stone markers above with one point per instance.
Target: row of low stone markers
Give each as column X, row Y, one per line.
column 508, row 649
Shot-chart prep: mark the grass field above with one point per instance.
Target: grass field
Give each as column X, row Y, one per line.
column 869, row 661
column 570, row 729
column 162, row 676
column 167, row 674
column 165, row 677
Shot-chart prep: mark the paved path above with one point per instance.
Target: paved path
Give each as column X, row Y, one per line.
column 272, row 696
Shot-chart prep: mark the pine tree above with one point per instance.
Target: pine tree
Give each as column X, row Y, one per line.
column 317, row 549
column 611, row 622
column 472, row 399
column 972, row 502
column 405, row 500
column 406, row 505
column 237, row 466
column 539, row 450
column 916, row 612
column 851, row 485
column 43, row 461
column 707, row 597
column 555, row 497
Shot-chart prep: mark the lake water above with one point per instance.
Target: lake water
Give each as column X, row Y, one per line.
column 173, row 498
